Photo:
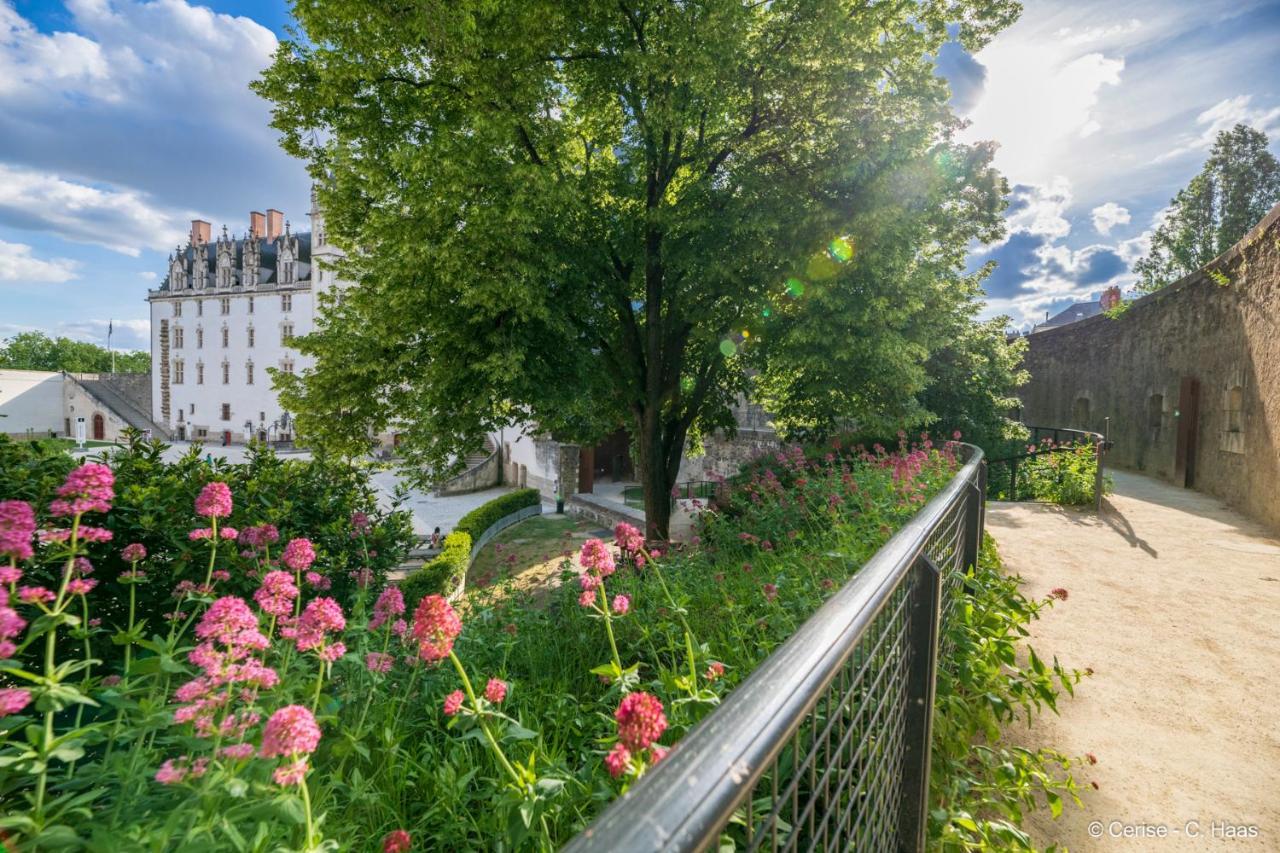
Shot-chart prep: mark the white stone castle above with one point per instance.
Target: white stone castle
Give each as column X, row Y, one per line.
column 226, row 312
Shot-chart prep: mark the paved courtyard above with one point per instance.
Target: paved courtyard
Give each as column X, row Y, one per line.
column 1173, row 604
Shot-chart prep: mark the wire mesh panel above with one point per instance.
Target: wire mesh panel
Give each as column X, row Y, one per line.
column 825, row 746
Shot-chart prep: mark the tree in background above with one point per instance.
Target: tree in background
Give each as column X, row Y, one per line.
column 38, row 351
column 972, row 382
column 1239, row 183
column 586, row 215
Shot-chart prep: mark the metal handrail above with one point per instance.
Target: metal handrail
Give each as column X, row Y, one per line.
column 1100, row 441
column 685, row 802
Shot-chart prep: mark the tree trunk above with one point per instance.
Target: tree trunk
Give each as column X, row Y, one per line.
column 661, row 447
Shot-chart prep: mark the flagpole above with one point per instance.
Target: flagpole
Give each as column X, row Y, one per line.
column 111, row 328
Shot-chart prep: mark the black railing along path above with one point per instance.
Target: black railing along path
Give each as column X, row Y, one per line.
column 825, row 746
column 1064, row 441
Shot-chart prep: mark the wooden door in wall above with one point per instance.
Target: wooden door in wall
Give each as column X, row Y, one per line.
column 587, row 470
column 1188, row 416
column 99, row 427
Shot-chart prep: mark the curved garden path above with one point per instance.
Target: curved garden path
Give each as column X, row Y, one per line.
column 1175, row 605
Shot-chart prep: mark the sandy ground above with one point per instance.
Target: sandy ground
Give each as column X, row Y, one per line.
column 1175, row 604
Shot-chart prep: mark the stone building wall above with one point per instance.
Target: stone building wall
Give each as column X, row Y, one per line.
column 1221, row 327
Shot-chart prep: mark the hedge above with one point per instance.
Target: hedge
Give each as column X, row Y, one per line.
column 443, row 574
column 482, row 517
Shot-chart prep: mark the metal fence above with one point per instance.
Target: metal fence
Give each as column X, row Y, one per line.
column 825, row 746
column 1047, row 441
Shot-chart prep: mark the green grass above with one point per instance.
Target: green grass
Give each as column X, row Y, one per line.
column 537, row 541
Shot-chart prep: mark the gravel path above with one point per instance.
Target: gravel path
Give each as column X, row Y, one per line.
column 1175, row 604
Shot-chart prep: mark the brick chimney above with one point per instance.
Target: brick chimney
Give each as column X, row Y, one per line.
column 1110, row 298
column 257, row 224
column 275, row 223
column 200, row 232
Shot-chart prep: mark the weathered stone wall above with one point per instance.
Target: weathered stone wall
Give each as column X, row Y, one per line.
column 1220, row 326
column 723, row 456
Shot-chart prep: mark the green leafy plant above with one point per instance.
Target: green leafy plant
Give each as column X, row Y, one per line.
column 482, row 517
column 443, row 574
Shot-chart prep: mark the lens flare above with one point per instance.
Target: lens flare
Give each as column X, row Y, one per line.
column 728, row 348
column 795, row 288
column 840, row 250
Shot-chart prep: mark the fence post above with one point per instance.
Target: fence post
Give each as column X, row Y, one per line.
column 1013, row 479
column 924, row 623
column 972, row 524
column 1099, row 452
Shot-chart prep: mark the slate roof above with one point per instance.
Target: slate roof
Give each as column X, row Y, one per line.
column 1079, row 311
column 266, row 258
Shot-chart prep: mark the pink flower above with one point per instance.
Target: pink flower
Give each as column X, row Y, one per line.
column 597, row 557
column 80, row 586
column 658, row 753
column 588, row 582
column 617, row 761
column 396, row 841
column 1058, row 593
column 110, row 680
column 10, row 575
column 714, row 671
column 200, row 533
column 587, row 599
column 378, row 662
column 495, row 691
column 17, row 529
column 220, row 575
column 627, row 537
column 389, row 605
column 291, row 774
column 435, row 627
column 320, row 617
column 333, row 652
column 621, row 604
column 35, row 594
column 770, row 592
column 238, row 752
column 13, row 700
column 230, row 621
column 89, row 488
column 453, row 703
column 359, row 523
column 229, row 533
column 214, row 500
column 277, row 593
column 171, row 772
column 318, row 581
column 640, row 720
column 298, row 554
column 292, row 730
column 133, row 553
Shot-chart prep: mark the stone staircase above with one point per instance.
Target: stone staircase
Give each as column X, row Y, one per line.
column 123, row 394
column 484, row 469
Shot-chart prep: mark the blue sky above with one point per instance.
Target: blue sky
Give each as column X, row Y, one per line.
column 122, row 120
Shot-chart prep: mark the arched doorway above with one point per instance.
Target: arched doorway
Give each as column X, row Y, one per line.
column 99, row 427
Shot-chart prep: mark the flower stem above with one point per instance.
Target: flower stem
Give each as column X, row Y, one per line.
column 475, row 706
column 608, row 626
column 306, row 803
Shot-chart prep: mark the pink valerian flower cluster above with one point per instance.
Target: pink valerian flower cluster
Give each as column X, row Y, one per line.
column 229, row 637
column 435, row 627
column 397, row 841
column 315, row 580
column 453, row 703
column 35, row 595
column 11, row 625
column 378, row 661
column 89, row 488
column 360, row 524
column 201, row 533
column 319, row 618
column 292, row 732
column 17, row 530
column 13, row 700
column 276, row 594
column 260, row 536
column 362, row 577
column 714, row 671
column 85, row 533
column 621, row 604
column 495, row 691
column 298, row 554
column 389, row 605
column 177, row 770
column 133, row 553
column 628, row 538
column 597, row 558
column 214, row 500
column 641, row 722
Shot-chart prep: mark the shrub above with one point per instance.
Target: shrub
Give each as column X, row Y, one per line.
column 443, row 574
column 482, row 517
column 1059, row 474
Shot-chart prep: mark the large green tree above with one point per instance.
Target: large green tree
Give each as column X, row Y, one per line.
column 585, row 214
column 38, row 351
column 1239, row 183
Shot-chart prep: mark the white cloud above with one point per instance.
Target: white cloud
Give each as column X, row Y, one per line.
column 1224, row 115
column 127, row 334
column 1039, row 98
column 124, row 221
column 1036, row 209
column 1108, row 216
column 18, row 264
column 149, row 275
